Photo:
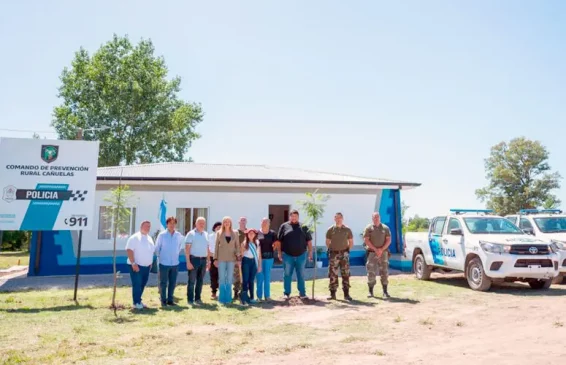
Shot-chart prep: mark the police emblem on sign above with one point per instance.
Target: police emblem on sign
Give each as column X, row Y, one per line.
column 9, row 194
column 49, row 153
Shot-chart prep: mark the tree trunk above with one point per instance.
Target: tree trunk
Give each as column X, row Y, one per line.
column 314, row 261
column 114, row 272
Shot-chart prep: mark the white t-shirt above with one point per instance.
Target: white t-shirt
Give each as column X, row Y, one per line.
column 212, row 242
column 143, row 248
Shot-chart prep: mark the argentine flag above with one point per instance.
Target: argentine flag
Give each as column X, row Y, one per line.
column 163, row 212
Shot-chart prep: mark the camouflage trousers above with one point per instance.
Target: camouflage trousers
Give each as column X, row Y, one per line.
column 237, row 279
column 338, row 261
column 379, row 265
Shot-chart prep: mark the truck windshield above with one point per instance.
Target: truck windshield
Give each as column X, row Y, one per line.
column 551, row 224
column 491, row 225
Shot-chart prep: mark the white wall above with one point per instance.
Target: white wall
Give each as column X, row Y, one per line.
column 356, row 208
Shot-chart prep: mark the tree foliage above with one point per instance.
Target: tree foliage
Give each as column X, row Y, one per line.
column 313, row 206
column 519, row 177
column 124, row 87
column 417, row 224
column 14, row 240
column 118, row 212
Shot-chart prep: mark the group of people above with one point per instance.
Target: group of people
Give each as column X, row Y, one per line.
column 238, row 259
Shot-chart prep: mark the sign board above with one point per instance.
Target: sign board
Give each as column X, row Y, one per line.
column 47, row 185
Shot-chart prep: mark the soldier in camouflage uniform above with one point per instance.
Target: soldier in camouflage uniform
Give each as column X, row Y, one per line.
column 237, row 269
column 339, row 240
column 377, row 238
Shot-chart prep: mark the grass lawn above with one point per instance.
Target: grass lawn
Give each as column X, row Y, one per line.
column 9, row 259
column 46, row 327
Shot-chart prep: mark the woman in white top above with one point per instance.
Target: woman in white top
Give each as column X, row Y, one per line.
column 251, row 265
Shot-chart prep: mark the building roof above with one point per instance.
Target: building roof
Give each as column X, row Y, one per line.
column 191, row 171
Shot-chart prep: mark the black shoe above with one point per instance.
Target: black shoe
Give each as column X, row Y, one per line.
column 385, row 293
column 347, row 295
column 370, row 288
column 171, row 303
column 332, row 295
column 164, row 304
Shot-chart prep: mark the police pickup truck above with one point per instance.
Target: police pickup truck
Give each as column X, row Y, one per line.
column 486, row 247
column 548, row 225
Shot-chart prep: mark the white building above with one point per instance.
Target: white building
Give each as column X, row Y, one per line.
column 214, row 191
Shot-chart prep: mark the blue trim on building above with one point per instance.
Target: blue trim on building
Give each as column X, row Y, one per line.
column 57, row 256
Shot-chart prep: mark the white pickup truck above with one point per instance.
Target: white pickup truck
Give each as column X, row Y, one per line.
column 548, row 225
column 486, row 247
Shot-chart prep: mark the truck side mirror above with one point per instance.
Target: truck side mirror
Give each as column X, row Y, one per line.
column 456, row 232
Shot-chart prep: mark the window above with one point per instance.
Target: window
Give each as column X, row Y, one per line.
column 106, row 224
column 491, row 225
column 453, row 224
column 525, row 224
column 439, row 225
column 512, row 218
column 186, row 218
column 551, row 224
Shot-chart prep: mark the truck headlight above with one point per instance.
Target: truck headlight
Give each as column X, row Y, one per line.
column 494, row 247
column 557, row 245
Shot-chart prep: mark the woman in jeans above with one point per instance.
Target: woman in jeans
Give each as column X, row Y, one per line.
column 226, row 255
column 267, row 243
column 251, row 265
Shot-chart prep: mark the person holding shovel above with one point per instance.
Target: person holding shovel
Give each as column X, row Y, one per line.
column 168, row 245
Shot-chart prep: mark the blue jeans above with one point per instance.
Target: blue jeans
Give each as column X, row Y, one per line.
column 264, row 279
column 225, row 280
column 139, row 281
column 290, row 264
column 167, row 280
column 196, row 277
column 249, row 270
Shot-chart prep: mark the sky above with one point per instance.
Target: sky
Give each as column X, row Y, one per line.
column 406, row 90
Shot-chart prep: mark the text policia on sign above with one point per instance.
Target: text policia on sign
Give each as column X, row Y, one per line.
column 47, row 184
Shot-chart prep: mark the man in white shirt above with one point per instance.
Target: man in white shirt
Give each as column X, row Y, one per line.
column 140, row 249
column 196, row 253
column 212, row 269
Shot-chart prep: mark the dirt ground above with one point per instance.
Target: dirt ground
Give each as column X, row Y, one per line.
column 509, row 325
column 437, row 322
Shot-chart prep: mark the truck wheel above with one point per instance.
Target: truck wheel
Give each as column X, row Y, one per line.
column 477, row 279
column 540, row 284
column 559, row 279
column 421, row 269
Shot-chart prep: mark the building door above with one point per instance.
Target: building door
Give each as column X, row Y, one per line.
column 278, row 214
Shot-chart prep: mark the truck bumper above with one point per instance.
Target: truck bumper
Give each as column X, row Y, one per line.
column 522, row 266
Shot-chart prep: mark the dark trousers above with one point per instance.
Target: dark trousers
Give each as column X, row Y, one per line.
column 167, row 282
column 249, row 271
column 139, row 281
column 196, row 277
column 213, row 277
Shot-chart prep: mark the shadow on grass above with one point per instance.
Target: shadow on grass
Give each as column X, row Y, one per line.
column 14, row 253
column 62, row 308
column 121, row 320
column 517, row 288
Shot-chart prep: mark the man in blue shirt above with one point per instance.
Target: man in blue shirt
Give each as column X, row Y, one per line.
column 167, row 248
column 196, row 251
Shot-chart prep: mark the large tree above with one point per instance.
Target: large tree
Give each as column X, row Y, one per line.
column 122, row 97
column 519, row 177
